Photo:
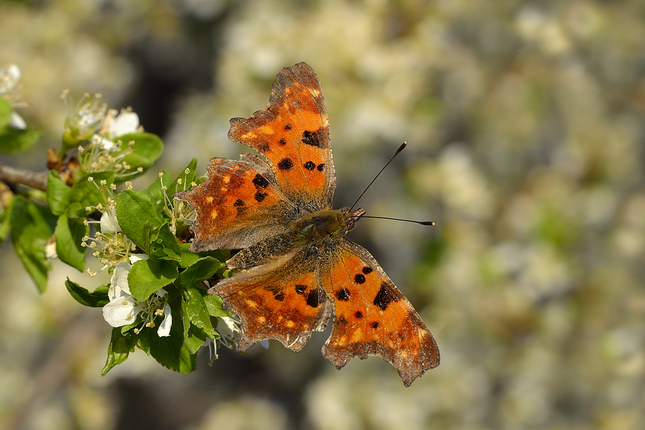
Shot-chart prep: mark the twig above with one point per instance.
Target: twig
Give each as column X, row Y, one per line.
column 36, row 180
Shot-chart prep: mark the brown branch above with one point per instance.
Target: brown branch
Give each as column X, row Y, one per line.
column 36, row 180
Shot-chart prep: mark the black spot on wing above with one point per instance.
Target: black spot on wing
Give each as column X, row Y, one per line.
column 320, row 167
column 263, row 147
column 300, row 288
column 358, row 314
column 279, row 296
column 312, row 298
column 310, row 165
column 260, row 181
column 285, row 164
column 342, row 295
column 367, row 270
column 315, row 138
column 385, row 296
column 287, row 127
column 283, row 142
column 359, row 278
column 259, row 196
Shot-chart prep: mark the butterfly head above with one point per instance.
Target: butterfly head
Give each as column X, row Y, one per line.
column 352, row 216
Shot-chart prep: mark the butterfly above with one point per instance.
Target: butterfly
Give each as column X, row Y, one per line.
column 297, row 269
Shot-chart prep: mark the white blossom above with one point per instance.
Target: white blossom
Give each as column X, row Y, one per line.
column 124, row 308
column 116, row 126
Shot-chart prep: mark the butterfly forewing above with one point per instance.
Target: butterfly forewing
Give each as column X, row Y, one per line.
column 293, row 134
column 237, row 206
column 372, row 317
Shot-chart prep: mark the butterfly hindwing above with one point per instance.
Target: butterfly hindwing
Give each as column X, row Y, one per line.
column 280, row 300
column 372, row 317
column 237, row 205
column 293, row 134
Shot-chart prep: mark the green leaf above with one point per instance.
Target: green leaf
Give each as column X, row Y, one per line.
column 164, row 245
column 135, row 209
column 76, row 210
column 96, row 299
column 214, row 306
column 188, row 258
column 194, row 338
column 5, row 112
column 57, row 193
column 118, row 350
column 147, row 276
column 184, row 178
column 156, row 193
column 91, row 193
column 200, row 270
column 195, row 310
column 171, row 351
column 69, row 234
column 13, row 140
column 31, row 226
column 146, row 150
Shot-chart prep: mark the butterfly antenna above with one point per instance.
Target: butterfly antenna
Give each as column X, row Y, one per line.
column 401, row 148
column 400, row 219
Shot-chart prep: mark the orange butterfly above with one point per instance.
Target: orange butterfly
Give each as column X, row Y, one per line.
column 297, row 267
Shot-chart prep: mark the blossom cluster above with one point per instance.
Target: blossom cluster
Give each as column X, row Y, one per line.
column 157, row 299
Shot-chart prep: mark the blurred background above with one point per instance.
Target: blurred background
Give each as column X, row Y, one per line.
column 525, row 124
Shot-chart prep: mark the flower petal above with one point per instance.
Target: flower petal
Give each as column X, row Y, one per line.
column 13, row 71
column 138, row 257
column 17, row 122
column 104, row 143
column 121, row 311
column 126, row 122
column 120, row 281
column 109, row 223
column 164, row 327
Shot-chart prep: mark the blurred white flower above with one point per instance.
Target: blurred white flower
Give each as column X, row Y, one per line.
column 17, row 121
column 84, row 119
column 124, row 123
column 50, row 248
column 9, row 78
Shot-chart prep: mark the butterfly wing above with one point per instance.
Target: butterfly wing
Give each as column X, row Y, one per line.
column 372, row 317
column 280, row 300
column 237, row 205
column 292, row 132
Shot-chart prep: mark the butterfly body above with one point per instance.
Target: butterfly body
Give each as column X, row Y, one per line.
column 298, row 271
column 326, row 225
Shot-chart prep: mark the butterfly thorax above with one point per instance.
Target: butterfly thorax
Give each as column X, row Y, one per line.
column 326, row 224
